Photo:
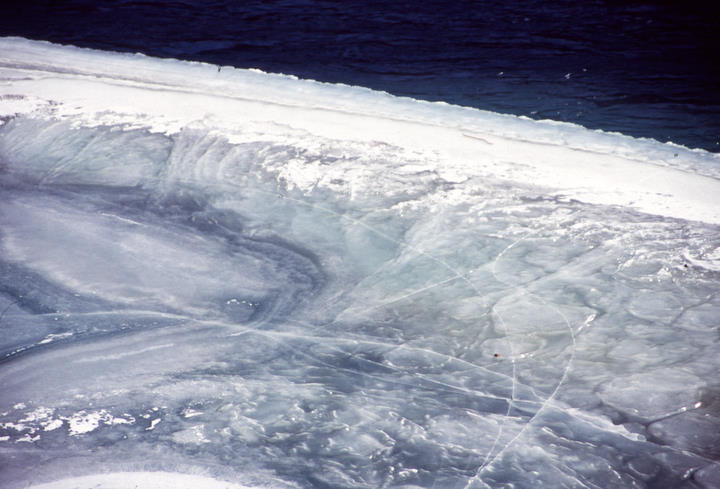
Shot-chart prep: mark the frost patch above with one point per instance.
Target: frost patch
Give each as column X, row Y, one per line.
column 191, row 413
column 28, row 438
column 192, row 435
column 33, row 421
column 53, row 425
column 45, row 419
column 84, row 422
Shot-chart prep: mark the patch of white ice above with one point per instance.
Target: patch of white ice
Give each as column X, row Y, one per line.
column 142, row 480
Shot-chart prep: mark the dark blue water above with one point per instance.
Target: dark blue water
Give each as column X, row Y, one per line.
column 647, row 69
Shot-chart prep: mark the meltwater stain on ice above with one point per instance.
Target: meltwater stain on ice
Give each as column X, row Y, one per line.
column 274, row 302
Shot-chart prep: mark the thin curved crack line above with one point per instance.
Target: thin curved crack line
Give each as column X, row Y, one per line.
column 250, row 330
column 417, row 375
column 444, row 356
column 487, row 460
column 552, row 395
column 415, row 292
column 442, row 385
column 562, row 380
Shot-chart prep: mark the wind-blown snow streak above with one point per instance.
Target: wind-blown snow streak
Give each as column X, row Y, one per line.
column 252, row 279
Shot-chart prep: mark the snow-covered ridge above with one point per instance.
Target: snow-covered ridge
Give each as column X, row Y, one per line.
column 97, row 88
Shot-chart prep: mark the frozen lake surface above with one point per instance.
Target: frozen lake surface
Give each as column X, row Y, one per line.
column 213, row 277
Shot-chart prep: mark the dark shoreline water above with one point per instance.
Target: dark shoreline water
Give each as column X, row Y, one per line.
column 647, row 69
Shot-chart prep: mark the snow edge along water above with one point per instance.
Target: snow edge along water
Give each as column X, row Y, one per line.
column 566, row 160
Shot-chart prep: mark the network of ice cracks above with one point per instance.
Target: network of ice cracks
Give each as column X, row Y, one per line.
column 225, row 278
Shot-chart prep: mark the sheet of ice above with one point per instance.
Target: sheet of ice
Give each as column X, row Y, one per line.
column 252, row 278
